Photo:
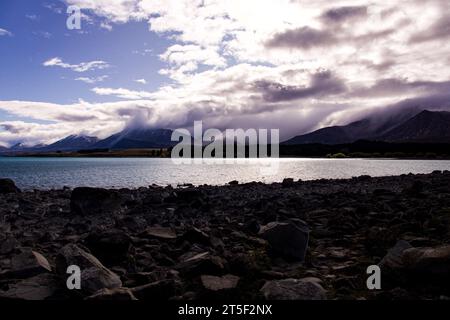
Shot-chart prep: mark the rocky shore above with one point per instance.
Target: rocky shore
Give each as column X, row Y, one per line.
column 294, row 240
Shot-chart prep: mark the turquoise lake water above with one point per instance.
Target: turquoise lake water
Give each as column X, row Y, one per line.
column 48, row 173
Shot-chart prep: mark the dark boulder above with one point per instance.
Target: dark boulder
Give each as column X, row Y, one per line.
column 194, row 235
column 189, row 195
column 8, row 186
column 415, row 189
column 287, row 239
column 90, row 201
column 112, row 247
column 288, row 182
column 252, row 226
column 8, row 245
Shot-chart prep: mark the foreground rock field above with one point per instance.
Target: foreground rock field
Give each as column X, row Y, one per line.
column 293, row 240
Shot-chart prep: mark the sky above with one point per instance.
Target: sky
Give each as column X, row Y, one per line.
column 292, row 65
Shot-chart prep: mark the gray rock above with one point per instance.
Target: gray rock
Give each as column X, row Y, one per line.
column 394, row 258
column 160, row 290
column 433, row 261
column 118, row 294
column 294, row 289
column 214, row 283
column 202, row 263
column 28, row 263
column 40, row 287
column 160, row 233
column 422, row 263
column 287, row 239
column 94, row 276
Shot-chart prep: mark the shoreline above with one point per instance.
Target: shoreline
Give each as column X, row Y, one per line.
column 231, row 241
column 75, row 156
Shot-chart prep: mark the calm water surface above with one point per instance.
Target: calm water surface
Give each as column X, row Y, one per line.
column 48, row 173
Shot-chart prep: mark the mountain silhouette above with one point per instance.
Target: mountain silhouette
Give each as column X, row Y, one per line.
column 426, row 126
column 137, row 138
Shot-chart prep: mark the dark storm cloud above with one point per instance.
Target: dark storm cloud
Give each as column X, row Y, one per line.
column 322, row 84
column 137, row 116
column 344, row 13
column 372, row 36
column 392, row 87
column 391, row 115
column 10, row 128
column 305, row 38
column 438, row 102
column 382, row 66
column 74, row 118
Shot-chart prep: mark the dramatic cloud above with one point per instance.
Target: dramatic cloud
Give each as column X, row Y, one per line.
column 81, row 67
column 304, row 37
column 322, row 84
column 296, row 65
column 399, row 87
column 180, row 55
column 438, row 30
column 344, row 13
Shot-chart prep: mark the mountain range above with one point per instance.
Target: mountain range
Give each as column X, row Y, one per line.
column 137, row 138
column 130, row 138
column 425, row 127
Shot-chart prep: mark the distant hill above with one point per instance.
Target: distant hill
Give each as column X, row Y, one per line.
column 335, row 134
column 426, row 126
column 402, row 127
column 137, row 139
column 142, row 138
column 71, row 143
column 19, row 147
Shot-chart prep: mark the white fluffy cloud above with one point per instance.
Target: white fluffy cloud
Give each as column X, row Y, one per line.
column 123, row 93
column 81, row 67
column 92, row 80
column 4, row 32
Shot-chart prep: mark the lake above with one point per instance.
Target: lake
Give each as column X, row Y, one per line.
column 48, row 173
